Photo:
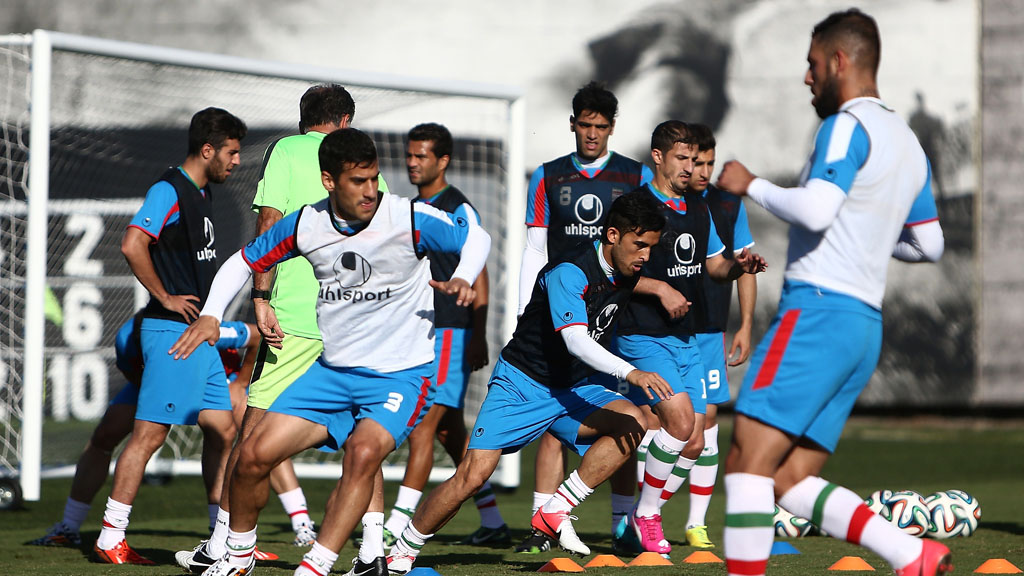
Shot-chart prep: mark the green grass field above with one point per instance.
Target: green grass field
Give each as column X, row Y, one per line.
column 925, row 454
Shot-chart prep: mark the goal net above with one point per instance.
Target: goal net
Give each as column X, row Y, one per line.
column 112, row 116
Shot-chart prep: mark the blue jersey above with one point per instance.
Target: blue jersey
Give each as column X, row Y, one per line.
column 570, row 201
column 730, row 220
column 447, row 313
column 572, row 291
column 679, row 259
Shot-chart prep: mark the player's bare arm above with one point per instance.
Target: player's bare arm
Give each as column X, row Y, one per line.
column 735, row 178
column 671, row 299
column 135, row 247
column 267, row 217
column 477, row 353
column 739, row 351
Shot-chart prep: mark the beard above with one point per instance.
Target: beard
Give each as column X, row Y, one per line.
column 827, row 101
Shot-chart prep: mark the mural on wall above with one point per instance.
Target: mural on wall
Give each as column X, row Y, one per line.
column 736, row 65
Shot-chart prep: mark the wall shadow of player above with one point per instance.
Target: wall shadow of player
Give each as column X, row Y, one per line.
column 694, row 56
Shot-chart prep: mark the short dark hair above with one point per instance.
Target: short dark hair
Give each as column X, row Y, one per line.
column 702, row 136
column 668, row 133
column 343, row 149
column 325, row 104
column 596, row 98
column 853, row 31
column 213, row 126
column 436, row 133
column 636, row 212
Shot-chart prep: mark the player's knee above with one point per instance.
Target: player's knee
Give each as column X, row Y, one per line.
column 363, row 456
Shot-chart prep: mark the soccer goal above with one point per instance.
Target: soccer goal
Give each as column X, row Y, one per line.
column 89, row 124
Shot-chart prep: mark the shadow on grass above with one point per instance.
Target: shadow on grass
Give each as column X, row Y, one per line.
column 1008, row 527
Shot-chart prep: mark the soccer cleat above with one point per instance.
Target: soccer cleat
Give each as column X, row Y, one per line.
column 648, row 530
column 379, row 567
column 400, row 564
column 305, row 535
column 263, row 556
column 389, row 538
column 624, row 540
column 59, row 535
column 935, row 560
column 487, row 536
column 535, row 543
column 120, row 554
column 224, row 567
column 697, row 537
column 195, row 560
column 558, row 527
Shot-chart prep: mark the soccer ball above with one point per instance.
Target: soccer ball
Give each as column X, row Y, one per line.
column 878, row 502
column 909, row 513
column 789, row 526
column 953, row 513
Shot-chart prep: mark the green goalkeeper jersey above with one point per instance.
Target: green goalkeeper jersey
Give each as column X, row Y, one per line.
column 291, row 179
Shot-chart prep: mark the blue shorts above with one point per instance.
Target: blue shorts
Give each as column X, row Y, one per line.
column 518, row 409
column 129, row 394
column 712, row 354
column 174, row 391
column 812, row 364
column 338, row 398
column 452, row 372
column 674, row 359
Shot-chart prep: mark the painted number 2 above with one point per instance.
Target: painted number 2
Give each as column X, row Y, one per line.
column 394, row 402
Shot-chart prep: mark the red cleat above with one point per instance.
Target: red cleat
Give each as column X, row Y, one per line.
column 264, row 556
column 120, row 554
column 935, row 560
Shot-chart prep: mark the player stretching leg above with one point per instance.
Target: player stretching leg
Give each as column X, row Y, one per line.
column 865, row 195
column 540, row 382
column 567, row 199
column 460, row 347
column 367, row 250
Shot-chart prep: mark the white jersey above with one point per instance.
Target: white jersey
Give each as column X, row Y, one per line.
column 870, row 153
column 375, row 307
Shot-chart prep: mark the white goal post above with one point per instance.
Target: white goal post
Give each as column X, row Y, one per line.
column 88, row 124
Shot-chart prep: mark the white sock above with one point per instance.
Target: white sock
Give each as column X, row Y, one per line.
column 641, row 457
column 211, row 512
column 405, row 507
column 294, row 504
column 676, row 479
column 662, row 455
column 749, row 529
column 241, row 546
column 487, row 505
column 702, row 479
column 569, row 494
column 539, row 498
column 843, row 515
column 75, row 513
column 115, row 522
column 622, row 504
column 319, row 560
column 217, row 546
column 373, row 537
column 410, row 542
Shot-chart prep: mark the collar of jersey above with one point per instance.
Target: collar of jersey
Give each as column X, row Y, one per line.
column 433, row 198
column 584, row 171
column 672, row 203
column 606, row 266
column 189, row 178
column 343, row 227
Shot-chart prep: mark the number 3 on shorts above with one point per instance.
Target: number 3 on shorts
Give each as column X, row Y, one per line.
column 394, row 401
